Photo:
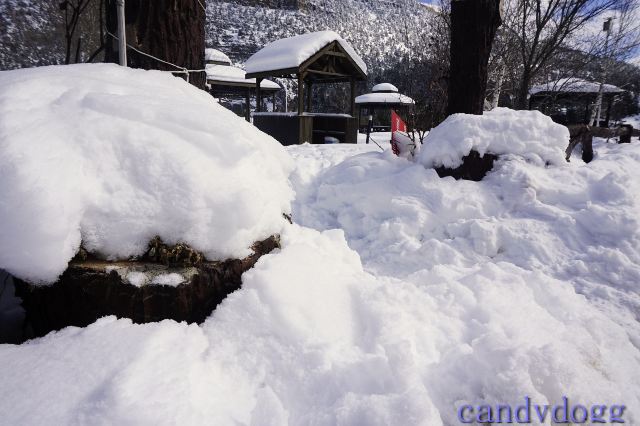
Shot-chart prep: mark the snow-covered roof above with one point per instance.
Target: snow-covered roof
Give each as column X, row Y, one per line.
column 574, row 85
column 384, row 99
column 216, row 56
column 229, row 74
column 294, row 51
column 384, row 87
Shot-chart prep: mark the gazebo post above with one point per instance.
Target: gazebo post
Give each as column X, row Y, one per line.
column 586, row 109
column 273, row 102
column 608, row 116
column 352, row 82
column 309, row 95
column 369, row 122
column 247, row 104
column 300, row 94
column 258, row 95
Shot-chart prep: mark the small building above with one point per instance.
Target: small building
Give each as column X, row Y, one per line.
column 312, row 58
column 227, row 81
column 570, row 100
column 383, row 97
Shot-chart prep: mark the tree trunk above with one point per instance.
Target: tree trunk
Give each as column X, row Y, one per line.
column 473, row 27
column 171, row 30
column 523, row 91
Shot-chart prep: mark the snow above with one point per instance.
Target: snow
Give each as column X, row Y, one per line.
column 397, row 297
column 229, row 74
column 529, row 134
column 173, row 279
column 214, row 55
column 112, row 157
column 384, row 98
column 574, row 85
column 293, row 51
column 384, row 87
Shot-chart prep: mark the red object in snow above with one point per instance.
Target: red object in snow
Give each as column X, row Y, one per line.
column 397, row 125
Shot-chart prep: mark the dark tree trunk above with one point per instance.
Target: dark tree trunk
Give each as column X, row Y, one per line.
column 522, row 101
column 473, row 27
column 171, row 30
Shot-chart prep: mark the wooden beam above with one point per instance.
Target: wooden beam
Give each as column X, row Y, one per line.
column 340, row 54
column 334, row 74
column 284, row 73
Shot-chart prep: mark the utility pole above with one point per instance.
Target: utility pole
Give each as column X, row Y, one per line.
column 122, row 37
column 595, row 113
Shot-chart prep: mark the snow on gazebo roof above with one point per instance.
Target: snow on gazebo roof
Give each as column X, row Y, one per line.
column 384, row 87
column 216, row 56
column 382, row 98
column 294, row 51
column 573, row 85
column 235, row 77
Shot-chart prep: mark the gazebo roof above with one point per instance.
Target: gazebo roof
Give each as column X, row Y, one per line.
column 384, row 87
column 384, row 94
column 232, row 76
column 322, row 55
column 573, row 85
column 214, row 56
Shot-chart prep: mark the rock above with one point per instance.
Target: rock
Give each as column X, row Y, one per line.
column 474, row 167
column 91, row 288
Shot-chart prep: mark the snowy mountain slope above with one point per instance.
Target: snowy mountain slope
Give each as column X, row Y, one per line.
column 380, row 31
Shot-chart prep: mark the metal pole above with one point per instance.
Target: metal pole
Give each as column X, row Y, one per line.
column 122, row 38
column 595, row 113
column 369, row 125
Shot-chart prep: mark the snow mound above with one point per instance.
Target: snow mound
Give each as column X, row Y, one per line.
column 111, row 157
column 529, row 134
column 311, row 338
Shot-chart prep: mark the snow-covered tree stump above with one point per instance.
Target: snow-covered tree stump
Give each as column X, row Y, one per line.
column 168, row 282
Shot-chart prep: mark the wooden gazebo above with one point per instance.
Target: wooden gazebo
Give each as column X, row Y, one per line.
column 385, row 97
column 313, row 58
column 226, row 81
column 569, row 100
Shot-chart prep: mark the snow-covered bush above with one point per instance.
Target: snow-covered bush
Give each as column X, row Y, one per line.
column 529, row 134
column 111, row 157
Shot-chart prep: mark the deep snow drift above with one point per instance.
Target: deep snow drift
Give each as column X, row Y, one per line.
column 433, row 294
column 114, row 156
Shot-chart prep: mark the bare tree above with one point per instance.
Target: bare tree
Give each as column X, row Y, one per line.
column 73, row 10
column 540, row 28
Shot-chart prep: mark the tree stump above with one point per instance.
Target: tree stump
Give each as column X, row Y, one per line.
column 474, row 167
column 91, row 288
